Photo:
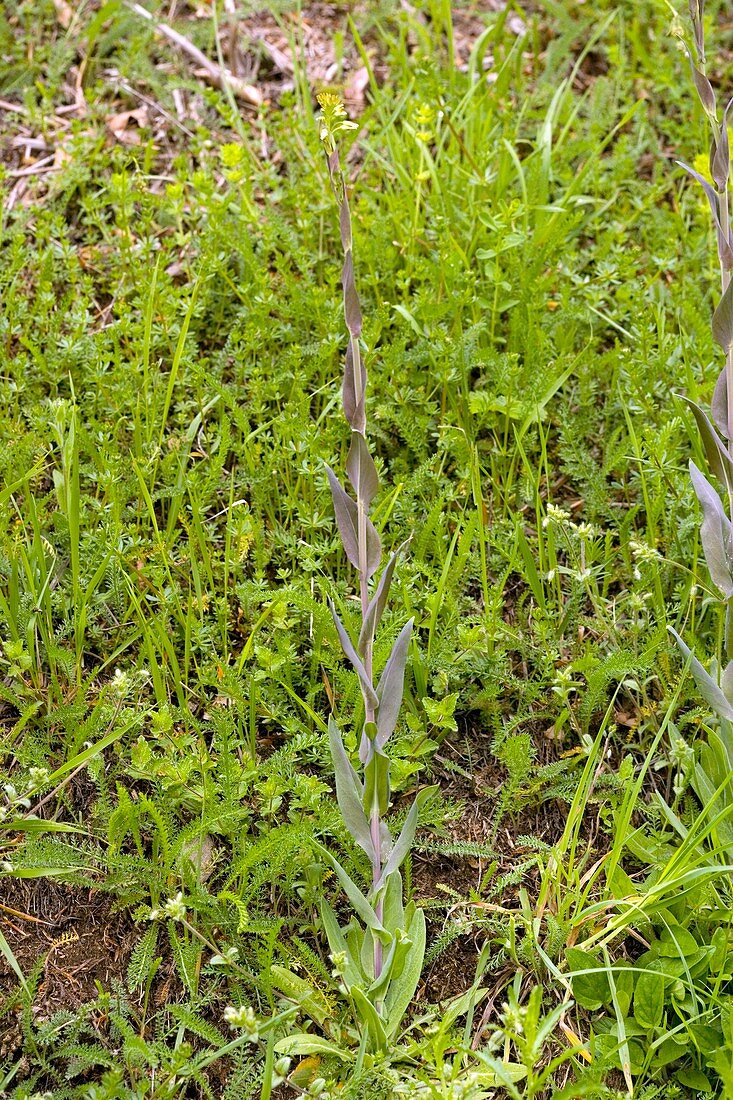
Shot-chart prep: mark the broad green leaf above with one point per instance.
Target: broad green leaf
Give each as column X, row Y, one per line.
column 649, row 999
column 349, row 792
column 370, row 1017
column 402, row 989
column 500, row 1073
column 391, row 686
column 715, row 532
column 376, row 785
column 304, row 1043
column 591, row 987
column 393, row 913
column 694, row 1079
column 297, row 989
column 361, row 471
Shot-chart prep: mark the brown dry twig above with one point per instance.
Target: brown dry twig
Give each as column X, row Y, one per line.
column 215, row 74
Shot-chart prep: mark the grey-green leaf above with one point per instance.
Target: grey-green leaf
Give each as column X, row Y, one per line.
column 362, row 472
column 723, row 319
column 719, row 406
column 715, row 532
column 403, row 844
column 347, row 518
column 715, row 450
column 370, row 695
column 707, row 687
column 349, row 792
column 378, row 601
column 391, row 686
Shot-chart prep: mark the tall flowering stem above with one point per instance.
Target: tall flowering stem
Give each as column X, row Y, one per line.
column 716, row 424
column 382, row 989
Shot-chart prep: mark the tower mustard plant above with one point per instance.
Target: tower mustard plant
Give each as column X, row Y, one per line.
column 716, row 426
column 378, row 956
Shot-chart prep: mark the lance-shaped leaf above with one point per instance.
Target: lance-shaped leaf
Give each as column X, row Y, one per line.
column 715, row 532
column 352, row 309
column 370, row 695
column 710, row 691
column 391, row 685
column 725, row 249
column 354, row 410
column 402, row 989
column 723, row 319
column 361, row 471
column 347, row 518
column 378, row 601
column 403, row 844
column 345, row 225
column 361, row 906
column 353, row 972
column 349, row 792
column 368, row 1015
column 704, row 90
column 715, row 450
column 720, row 160
column 719, row 404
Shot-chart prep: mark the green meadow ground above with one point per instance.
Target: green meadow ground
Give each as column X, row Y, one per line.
column 537, row 278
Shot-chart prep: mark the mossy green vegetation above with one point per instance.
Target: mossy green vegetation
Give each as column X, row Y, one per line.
column 537, row 281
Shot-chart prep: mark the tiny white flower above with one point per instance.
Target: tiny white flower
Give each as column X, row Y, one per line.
column 174, row 907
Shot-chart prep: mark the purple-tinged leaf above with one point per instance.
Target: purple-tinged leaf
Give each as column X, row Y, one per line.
column 704, row 90
column 391, row 686
column 719, row 406
column 345, row 225
column 349, row 792
column 723, row 319
column 370, row 696
column 347, row 518
column 720, row 163
column 352, row 309
column 354, row 410
column 715, row 532
column 716, row 453
column 707, row 687
column 361, row 470
column 378, row 601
